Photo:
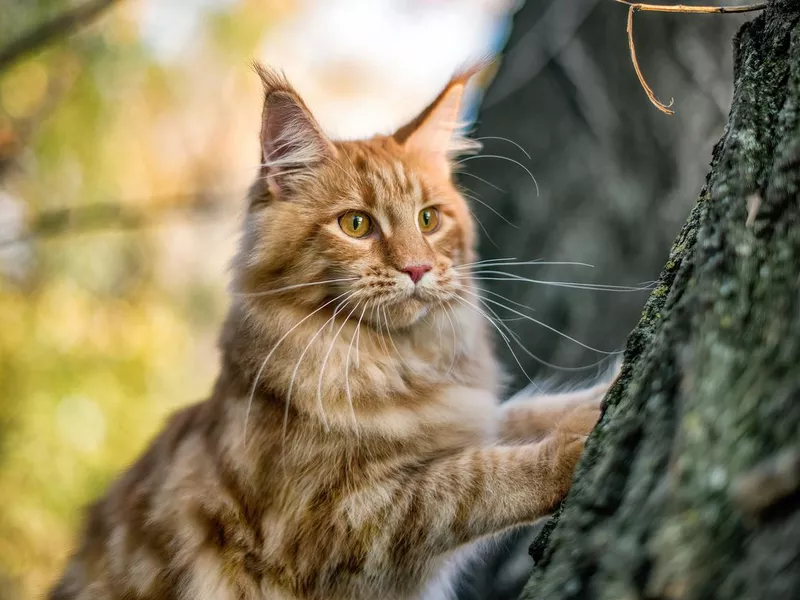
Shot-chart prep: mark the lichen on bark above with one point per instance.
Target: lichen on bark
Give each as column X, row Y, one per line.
column 663, row 503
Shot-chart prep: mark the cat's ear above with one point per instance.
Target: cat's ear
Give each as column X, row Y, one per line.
column 436, row 131
column 292, row 142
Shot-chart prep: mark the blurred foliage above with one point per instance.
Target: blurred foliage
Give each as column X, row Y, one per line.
column 102, row 335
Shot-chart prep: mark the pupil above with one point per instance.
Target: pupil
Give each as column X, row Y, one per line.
column 356, row 222
column 426, row 218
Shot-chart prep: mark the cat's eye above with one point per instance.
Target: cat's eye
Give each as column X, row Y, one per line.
column 355, row 223
column 428, row 220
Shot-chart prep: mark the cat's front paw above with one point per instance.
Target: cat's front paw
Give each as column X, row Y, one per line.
column 564, row 450
column 581, row 420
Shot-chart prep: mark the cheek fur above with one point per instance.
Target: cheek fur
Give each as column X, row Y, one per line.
column 449, row 242
column 280, row 249
column 349, row 256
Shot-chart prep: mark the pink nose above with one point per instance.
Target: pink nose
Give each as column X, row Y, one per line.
column 416, row 271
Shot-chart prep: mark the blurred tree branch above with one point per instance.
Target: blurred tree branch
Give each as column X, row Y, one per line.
column 119, row 215
column 57, row 27
column 15, row 137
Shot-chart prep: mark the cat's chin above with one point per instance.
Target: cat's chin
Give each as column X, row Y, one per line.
column 406, row 313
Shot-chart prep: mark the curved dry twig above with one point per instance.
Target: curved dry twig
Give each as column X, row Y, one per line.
column 675, row 8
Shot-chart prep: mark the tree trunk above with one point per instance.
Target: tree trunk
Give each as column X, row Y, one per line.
column 689, row 487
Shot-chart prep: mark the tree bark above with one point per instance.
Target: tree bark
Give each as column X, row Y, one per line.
column 690, row 485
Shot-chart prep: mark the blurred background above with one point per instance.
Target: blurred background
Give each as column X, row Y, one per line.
column 128, row 136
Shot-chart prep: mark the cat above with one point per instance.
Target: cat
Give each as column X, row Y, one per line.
column 353, row 446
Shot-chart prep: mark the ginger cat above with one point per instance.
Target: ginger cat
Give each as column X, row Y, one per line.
column 353, row 446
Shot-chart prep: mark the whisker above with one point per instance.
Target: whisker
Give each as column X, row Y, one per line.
column 526, row 262
column 545, row 325
column 358, row 336
column 293, row 287
column 300, row 360
column 487, row 260
column 269, row 355
column 455, row 340
column 489, row 183
column 328, row 353
column 391, row 339
column 511, row 160
column 347, row 369
column 565, row 284
column 568, row 285
column 520, row 304
column 476, row 199
column 438, row 329
column 497, row 137
column 483, row 227
column 500, row 331
column 648, row 284
column 336, row 310
column 539, row 360
column 377, row 320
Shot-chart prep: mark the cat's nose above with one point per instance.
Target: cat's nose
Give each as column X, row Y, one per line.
column 416, row 272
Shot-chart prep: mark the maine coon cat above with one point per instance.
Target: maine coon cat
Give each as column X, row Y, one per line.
column 353, row 446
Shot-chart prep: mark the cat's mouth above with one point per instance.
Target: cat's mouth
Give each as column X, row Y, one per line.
column 422, row 295
column 413, row 304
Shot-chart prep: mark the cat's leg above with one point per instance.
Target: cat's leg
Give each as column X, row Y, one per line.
column 535, row 417
column 443, row 504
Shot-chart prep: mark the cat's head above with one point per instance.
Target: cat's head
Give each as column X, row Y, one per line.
column 378, row 223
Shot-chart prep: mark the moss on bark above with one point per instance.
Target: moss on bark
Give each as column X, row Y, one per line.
column 688, row 487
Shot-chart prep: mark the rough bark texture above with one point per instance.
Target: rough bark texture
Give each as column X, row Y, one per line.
column 689, row 486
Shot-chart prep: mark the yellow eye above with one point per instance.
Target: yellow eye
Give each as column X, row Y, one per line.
column 355, row 223
column 428, row 220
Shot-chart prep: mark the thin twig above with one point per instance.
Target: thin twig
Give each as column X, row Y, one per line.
column 59, row 26
column 700, row 10
column 665, row 108
column 676, row 8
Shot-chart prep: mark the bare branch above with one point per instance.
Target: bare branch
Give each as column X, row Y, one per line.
column 45, row 33
column 699, row 10
column 675, row 8
column 665, row 108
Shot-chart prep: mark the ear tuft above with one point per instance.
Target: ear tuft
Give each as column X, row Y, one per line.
column 291, row 139
column 436, row 131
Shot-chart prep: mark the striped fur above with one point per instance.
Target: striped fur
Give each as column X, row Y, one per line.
column 353, row 446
